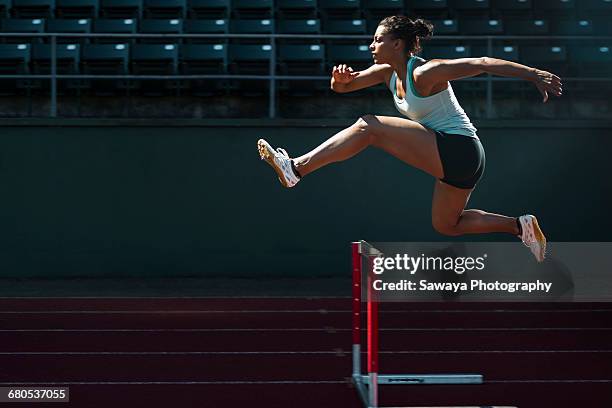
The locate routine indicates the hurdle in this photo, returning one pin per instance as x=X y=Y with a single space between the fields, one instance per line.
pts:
x=367 y=384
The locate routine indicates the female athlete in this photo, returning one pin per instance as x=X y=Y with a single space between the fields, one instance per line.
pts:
x=435 y=135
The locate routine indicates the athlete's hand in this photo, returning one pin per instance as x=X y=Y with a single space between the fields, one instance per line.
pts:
x=343 y=74
x=547 y=83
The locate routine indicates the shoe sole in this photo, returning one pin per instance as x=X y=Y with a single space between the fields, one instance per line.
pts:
x=539 y=235
x=267 y=153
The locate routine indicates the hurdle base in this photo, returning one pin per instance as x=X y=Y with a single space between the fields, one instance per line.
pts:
x=416 y=379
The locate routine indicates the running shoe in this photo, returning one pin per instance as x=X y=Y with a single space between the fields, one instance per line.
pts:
x=280 y=162
x=532 y=236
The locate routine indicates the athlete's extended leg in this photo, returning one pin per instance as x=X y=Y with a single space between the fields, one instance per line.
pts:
x=405 y=139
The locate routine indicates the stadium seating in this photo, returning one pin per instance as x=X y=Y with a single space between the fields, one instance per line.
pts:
x=294 y=55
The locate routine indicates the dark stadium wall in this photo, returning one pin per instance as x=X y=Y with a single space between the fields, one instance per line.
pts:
x=196 y=201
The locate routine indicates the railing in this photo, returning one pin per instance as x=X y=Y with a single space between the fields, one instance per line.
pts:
x=53 y=77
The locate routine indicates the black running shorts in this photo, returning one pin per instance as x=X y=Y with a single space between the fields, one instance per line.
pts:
x=463 y=159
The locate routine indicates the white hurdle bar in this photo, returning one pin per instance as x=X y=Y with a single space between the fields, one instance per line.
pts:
x=367 y=385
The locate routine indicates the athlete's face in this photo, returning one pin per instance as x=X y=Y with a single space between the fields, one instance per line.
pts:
x=383 y=46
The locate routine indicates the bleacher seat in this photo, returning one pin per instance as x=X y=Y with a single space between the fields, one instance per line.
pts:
x=526 y=27
x=80 y=26
x=14 y=58
x=33 y=8
x=121 y=8
x=481 y=27
x=209 y=9
x=17 y=25
x=160 y=26
x=203 y=59
x=154 y=59
x=309 y=26
x=249 y=58
x=105 y=58
x=165 y=8
x=114 y=26
x=67 y=57
x=447 y=52
x=201 y=26
x=301 y=59
x=509 y=52
x=552 y=58
x=252 y=26
x=445 y=27
x=573 y=27
x=592 y=60
x=358 y=56
x=77 y=8
x=356 y=26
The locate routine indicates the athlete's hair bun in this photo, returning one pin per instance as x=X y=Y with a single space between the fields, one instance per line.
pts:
x=424 y=29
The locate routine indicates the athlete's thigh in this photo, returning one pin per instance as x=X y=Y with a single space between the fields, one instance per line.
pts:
x=448 y=203
x=407 y=140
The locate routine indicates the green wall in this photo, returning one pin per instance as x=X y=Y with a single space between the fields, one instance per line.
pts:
x=197 y=201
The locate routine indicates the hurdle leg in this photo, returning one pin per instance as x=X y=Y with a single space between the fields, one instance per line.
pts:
x=372 y=343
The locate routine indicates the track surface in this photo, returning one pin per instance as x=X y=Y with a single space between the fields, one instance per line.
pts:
x=279 y=352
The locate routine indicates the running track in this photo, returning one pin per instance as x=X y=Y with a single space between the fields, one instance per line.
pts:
x=280 y=352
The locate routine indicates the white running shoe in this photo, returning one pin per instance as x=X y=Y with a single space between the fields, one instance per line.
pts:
x=280 y=162
x=533 y=237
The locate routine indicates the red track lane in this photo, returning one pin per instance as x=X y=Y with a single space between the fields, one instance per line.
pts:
x=300 y=341
x=297 y=319
x=333 y=396
x=40 y=368
x=279 y=304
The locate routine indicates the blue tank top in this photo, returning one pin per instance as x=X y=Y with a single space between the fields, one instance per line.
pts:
x=440 y=111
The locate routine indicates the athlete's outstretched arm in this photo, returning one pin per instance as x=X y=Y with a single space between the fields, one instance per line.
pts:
x=440 y=70
x=344 y=79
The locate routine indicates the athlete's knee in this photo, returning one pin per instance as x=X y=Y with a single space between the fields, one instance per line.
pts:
x=367 y=125
x=444 y=227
